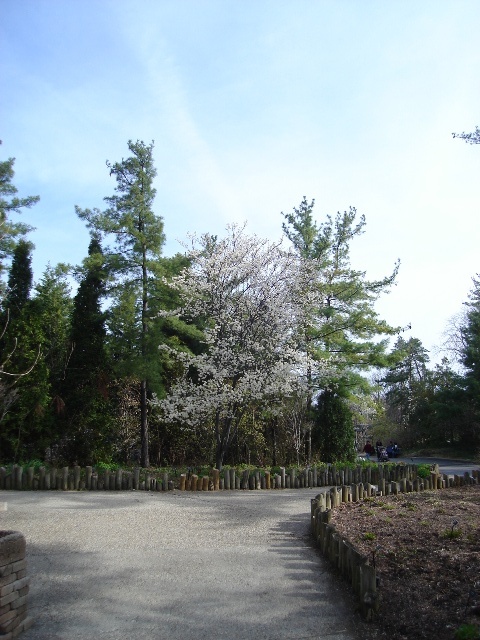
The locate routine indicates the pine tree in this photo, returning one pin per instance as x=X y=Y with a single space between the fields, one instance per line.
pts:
x=88 y=332
x=343 y=322
x=471 y=362
x=13 y=351
x=87 y=387
x=20 y=278
x=341 y=326
x=132 y=263
x=335 y=434
x=10 y=203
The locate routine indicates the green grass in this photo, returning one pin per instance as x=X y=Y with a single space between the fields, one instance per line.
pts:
x=452 y=534
x=369 y=536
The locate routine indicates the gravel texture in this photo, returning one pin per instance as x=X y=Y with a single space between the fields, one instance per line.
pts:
x=236 y=565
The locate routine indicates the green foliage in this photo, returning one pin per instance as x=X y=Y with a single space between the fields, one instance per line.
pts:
x=133 y=268
x=11 y=231
x=468 y=632
x=334 y=433
x=471 y=361
x=452 y=534
x=89 y=415
x=107 y=466
x=345 y=322
x=38 y=341
x=20 y=279
x=36 y=464
x=423 y=470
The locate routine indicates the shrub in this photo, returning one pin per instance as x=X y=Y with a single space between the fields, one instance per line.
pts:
x=423 y=470
x=468 y=632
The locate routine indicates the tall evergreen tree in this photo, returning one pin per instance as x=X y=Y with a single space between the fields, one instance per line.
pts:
x=20 y=278
x=38 y=336
x=471 y=361
x=133 y=261
x=341 y=323
x=12 y=350
x=406 y=384
x=88 y=332
x=335 y=433
x=10 y=203
x=86 y=389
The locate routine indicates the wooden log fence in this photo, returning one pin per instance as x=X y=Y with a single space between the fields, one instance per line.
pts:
x=387 y=479
x=355 y=567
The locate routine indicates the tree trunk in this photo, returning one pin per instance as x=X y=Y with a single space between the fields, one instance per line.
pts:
x=144 y=459
x=274 y=442
x=224 y=437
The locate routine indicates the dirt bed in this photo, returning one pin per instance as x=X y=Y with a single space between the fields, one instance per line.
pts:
x=426 y=548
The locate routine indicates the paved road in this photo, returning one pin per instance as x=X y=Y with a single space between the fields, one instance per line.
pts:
x=177 y=566
x=451 y=467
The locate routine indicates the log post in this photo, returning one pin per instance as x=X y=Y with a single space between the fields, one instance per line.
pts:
x=267 y=479
x=64 y=479
x=30 y=472
x=18 y=476
x=368 y=591
x=88 y=478
x=76 y=477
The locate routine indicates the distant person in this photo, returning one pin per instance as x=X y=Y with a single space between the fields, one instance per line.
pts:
x=378 y=446
x=369 y=449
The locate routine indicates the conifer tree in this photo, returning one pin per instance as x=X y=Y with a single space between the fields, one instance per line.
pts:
x=341 y=325
x=86 y=390
x=10 y=203
x=20 y=278
x=471 y=362
x=88 y=332
x=132 y=263
x=335 y=434
x=12 y=351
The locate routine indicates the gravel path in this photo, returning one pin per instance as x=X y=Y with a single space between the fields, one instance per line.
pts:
x=176 y=566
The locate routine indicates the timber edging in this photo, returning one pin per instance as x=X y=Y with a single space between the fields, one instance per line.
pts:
x=76 y=478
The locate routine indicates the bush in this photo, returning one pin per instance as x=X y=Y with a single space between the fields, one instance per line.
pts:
x=423 y=470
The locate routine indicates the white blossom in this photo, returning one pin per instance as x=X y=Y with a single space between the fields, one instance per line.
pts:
x=250 y=294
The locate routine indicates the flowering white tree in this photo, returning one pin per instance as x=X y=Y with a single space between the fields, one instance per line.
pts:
x=250 y=294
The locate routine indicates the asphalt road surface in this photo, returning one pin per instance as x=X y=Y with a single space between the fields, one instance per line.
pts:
x=177 y=566
x=451 y=467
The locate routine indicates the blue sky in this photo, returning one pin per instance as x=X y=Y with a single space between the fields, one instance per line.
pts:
x=253 y=104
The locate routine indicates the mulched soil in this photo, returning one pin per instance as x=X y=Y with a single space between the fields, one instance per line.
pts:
x=426 y=549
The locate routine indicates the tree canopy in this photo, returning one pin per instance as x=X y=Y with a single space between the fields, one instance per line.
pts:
x=239 y=350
